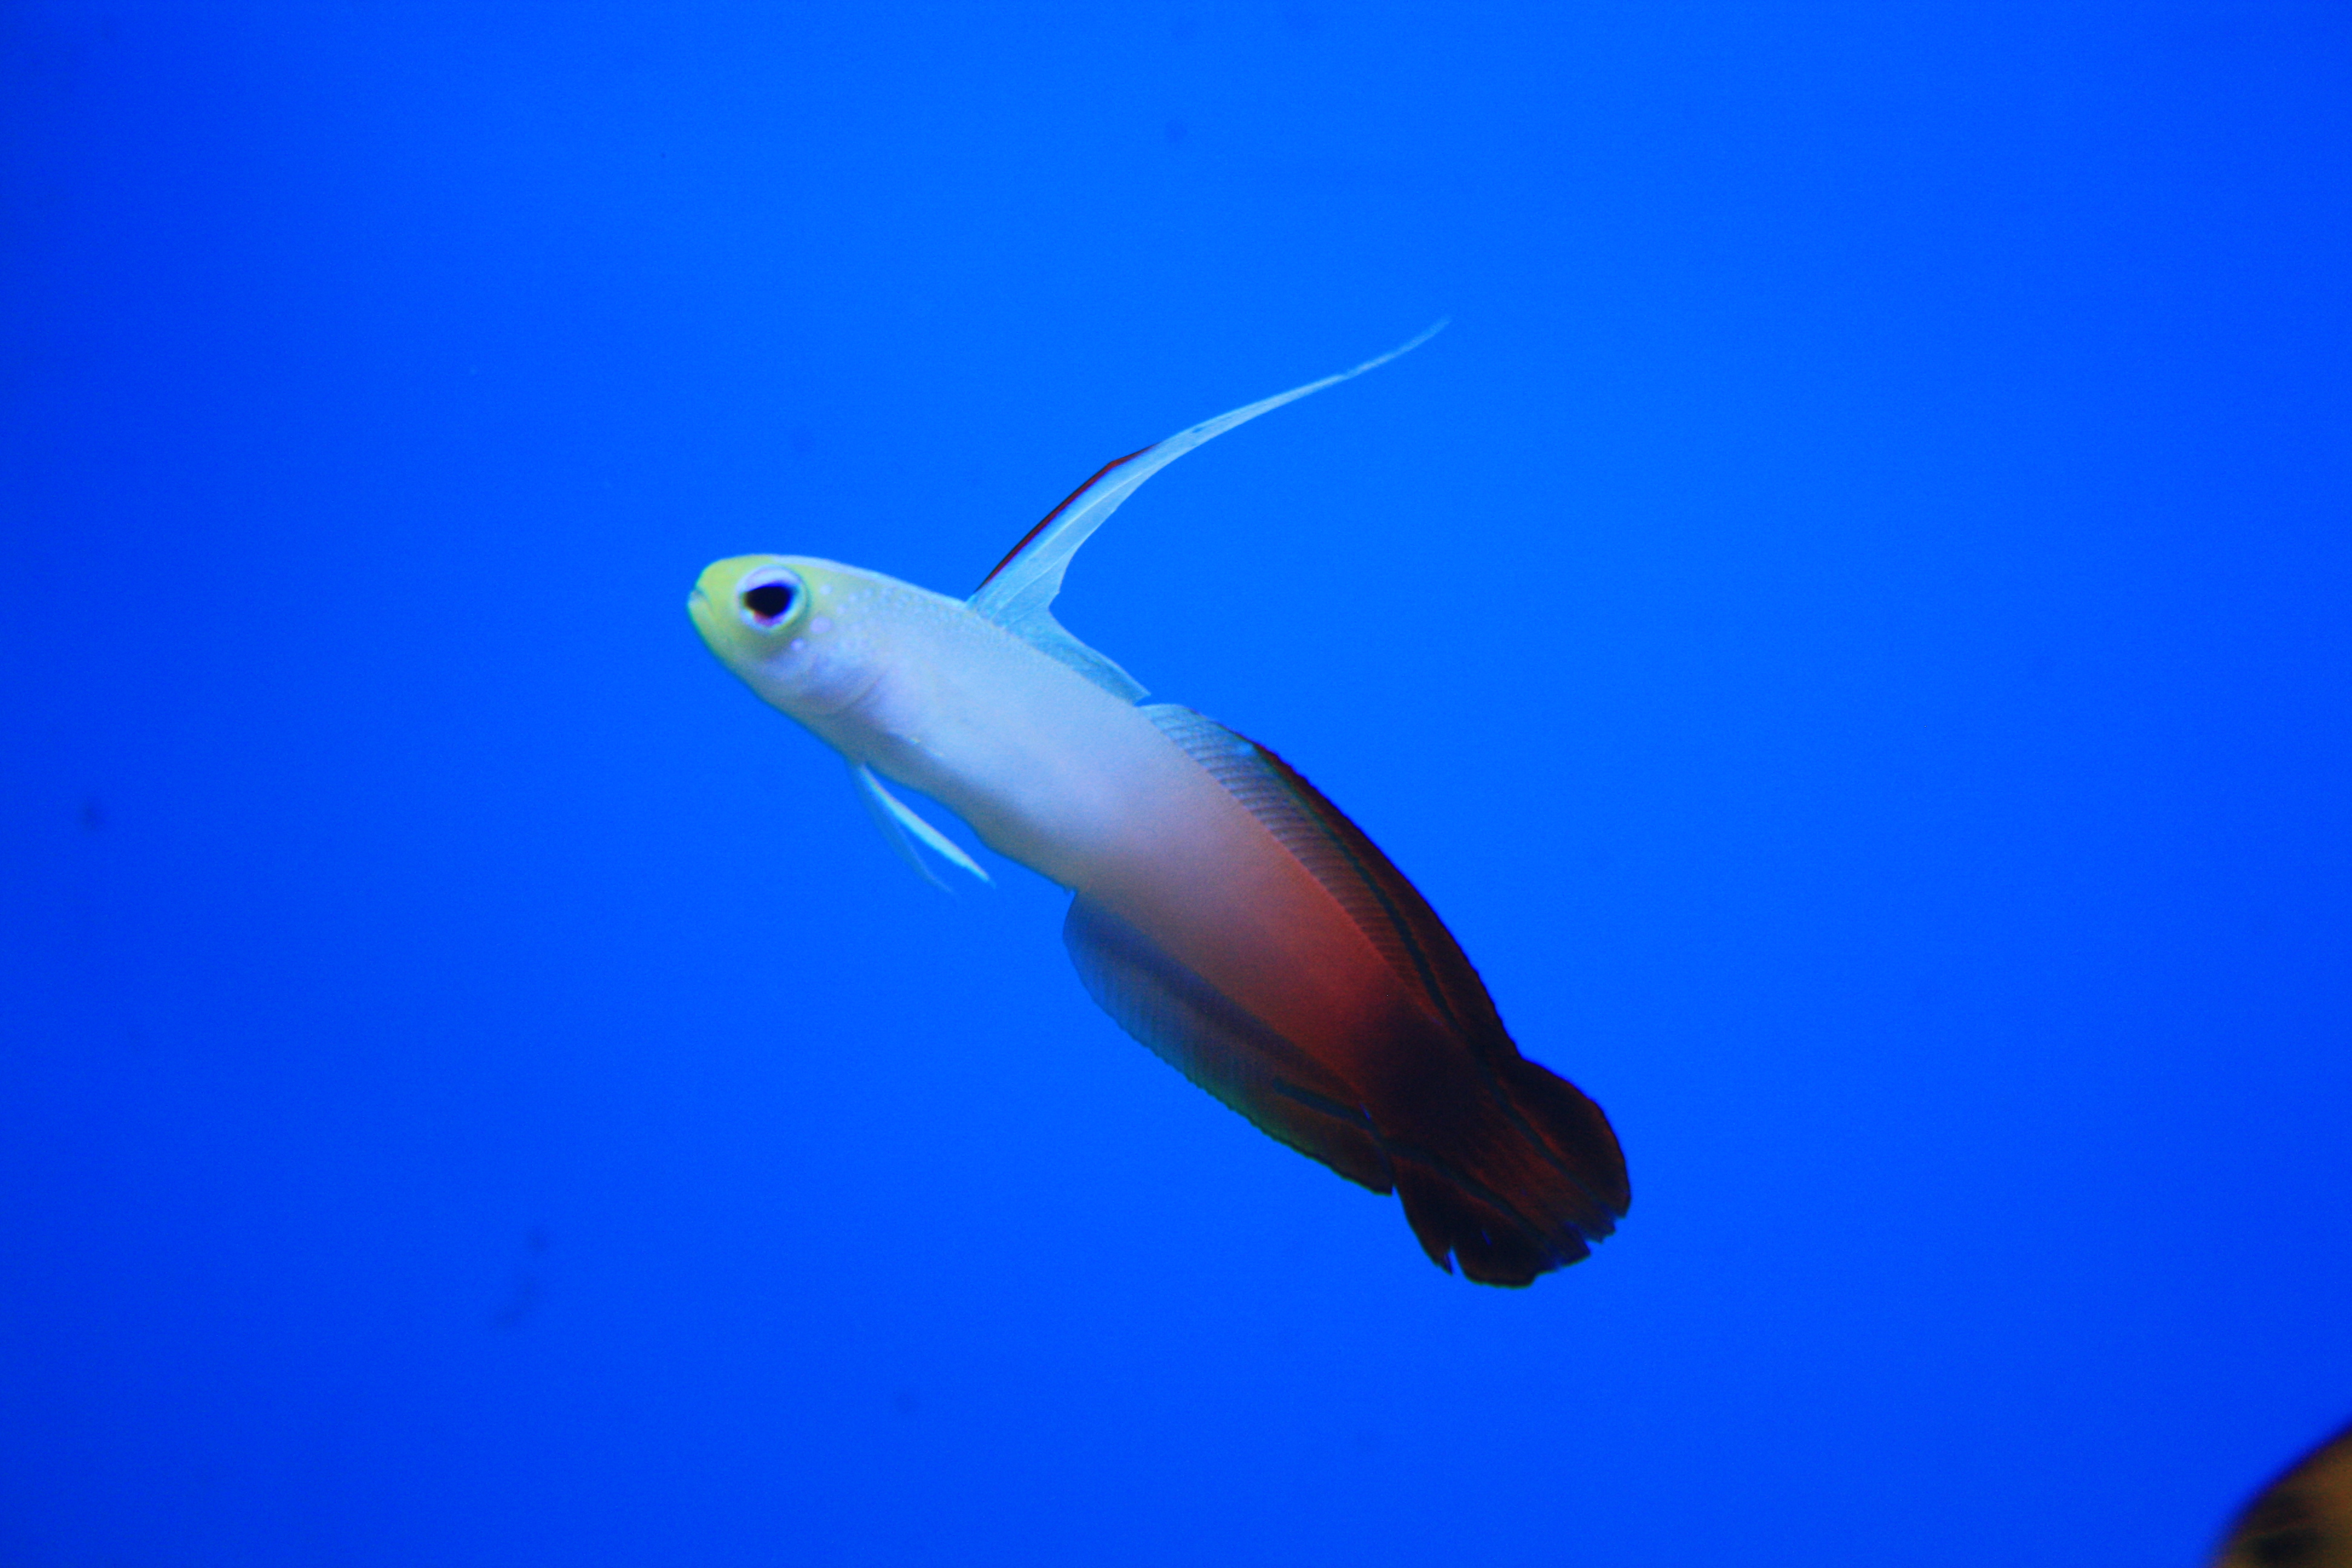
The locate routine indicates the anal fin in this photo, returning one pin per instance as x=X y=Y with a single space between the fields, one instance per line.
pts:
x=1205 y=1035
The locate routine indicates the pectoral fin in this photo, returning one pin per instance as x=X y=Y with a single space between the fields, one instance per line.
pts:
x=904 y=830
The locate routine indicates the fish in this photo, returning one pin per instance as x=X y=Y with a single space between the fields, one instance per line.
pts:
x=1224 y=912
x=2301 y=1519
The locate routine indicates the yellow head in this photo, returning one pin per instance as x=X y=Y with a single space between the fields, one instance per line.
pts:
x=787 y=624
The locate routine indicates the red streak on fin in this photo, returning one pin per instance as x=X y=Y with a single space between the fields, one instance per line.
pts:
x=1057 y=511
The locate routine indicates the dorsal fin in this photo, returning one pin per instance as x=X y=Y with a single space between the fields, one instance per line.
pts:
x=1050 y=516
x=1018 y=593
x=1389 y=910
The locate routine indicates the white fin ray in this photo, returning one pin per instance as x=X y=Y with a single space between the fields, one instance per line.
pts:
x=1019 y=595
x=904 y=830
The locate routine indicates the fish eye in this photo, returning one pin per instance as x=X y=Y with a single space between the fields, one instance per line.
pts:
x=769 y=602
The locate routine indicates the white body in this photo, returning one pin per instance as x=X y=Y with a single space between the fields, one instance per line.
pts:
x=1047 y=767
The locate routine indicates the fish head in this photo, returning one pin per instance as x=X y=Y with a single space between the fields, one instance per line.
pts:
x=789 y=625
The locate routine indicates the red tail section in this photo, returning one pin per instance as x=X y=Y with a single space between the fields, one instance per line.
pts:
x=1504 y=1167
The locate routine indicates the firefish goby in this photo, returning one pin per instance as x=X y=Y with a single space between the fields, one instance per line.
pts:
x=1225 y=914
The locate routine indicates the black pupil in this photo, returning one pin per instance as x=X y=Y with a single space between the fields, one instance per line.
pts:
x=769 y=601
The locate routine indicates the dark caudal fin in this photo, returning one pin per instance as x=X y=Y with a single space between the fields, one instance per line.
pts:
x=1516 y=1188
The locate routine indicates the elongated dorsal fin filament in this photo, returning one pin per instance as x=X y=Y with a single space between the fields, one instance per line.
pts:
x=1049 y=517
x=1018 y=593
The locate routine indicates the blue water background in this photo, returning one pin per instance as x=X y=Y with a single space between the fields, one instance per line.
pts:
x=1849 y=626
